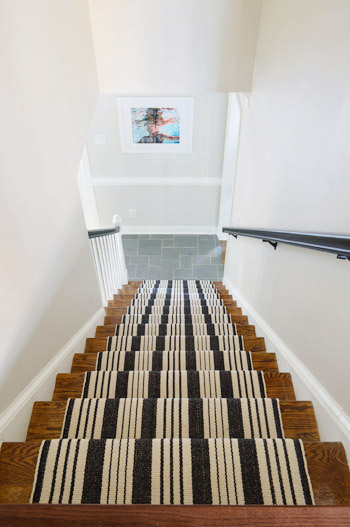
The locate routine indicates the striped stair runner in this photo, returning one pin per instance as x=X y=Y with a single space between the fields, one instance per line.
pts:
x=177 y=310
x=176 y=343
x=190 y=319
x=173 y=360
x=134 y=418
x=162 y=330
x=174 y=413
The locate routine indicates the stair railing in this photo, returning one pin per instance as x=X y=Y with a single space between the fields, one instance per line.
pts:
x=338 y=244
x=107 y=249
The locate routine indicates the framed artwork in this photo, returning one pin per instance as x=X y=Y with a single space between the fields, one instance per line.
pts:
x=155 y=124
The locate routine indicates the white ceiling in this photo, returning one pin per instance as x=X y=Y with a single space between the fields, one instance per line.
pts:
x=174 y=47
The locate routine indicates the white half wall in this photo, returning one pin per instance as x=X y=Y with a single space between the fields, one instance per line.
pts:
x=48 y=92
x=161 y=209
x=293 y=174
x=174 y=48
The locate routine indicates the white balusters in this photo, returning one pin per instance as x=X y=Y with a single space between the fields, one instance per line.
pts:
x=107 y=250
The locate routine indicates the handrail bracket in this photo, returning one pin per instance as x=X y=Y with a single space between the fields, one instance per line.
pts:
x=274 y=244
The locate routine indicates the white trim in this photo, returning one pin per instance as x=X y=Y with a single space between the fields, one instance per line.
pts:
x=15 y=418
x=156 y=181
x=86 y=191
x=229 y=169
x=167 y=230
x=334 y=410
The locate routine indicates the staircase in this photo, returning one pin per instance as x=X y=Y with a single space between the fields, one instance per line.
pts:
x=174 y=402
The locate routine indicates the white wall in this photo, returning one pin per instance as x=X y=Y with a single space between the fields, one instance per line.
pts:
x=293 y=173
x=160 y=205
x=187 y=209
x=183 y=47
x=48 y=91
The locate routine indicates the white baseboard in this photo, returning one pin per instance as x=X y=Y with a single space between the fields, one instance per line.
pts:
x=128 y=229
x=328 y=411
x=15 y=418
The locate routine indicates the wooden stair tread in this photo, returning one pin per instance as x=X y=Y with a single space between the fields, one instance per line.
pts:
x=100 y=343
x=130 y=295
x=114 y=316
x=224 y=295
x=262 y=361
x=298 y=419
x=22 y=515
x=114 y=319
x=327 y=464
x=70 y=385
x=108 y=330
x=125 y=303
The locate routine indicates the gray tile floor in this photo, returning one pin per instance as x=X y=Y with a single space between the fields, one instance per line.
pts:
x=172 y=256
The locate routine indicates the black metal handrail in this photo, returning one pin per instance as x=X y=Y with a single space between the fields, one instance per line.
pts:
x=338 y=244
x=96 y=233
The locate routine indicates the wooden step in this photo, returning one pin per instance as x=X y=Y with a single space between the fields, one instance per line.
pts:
x=124 y=301
x=129 y=288
x=70 y=385
x=109 y=330
x=327 y=464
x=118 y=312
x=223 y=293
x=116 y=317
x=298 y=417
x=253 y=344
x=20 y=515
x=138 y=283
x=262 y=361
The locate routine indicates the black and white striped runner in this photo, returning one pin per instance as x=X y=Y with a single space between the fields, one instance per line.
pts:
x=176 y=310
x=176 y=343
x=173 y=360
x=172 y=302
x=174 y=413
x=174 y=284
x=162 y=330
x=178 y=290
x=172 y=471
x=173 y=384
x=176 y=319
x=180 y=295
x=172 y=418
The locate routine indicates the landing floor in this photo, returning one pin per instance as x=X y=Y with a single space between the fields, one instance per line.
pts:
x=171 y=257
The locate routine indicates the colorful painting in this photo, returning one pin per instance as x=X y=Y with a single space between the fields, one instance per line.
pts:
x=155 y=125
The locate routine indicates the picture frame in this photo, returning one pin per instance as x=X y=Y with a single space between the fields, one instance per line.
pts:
x=155 y=124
